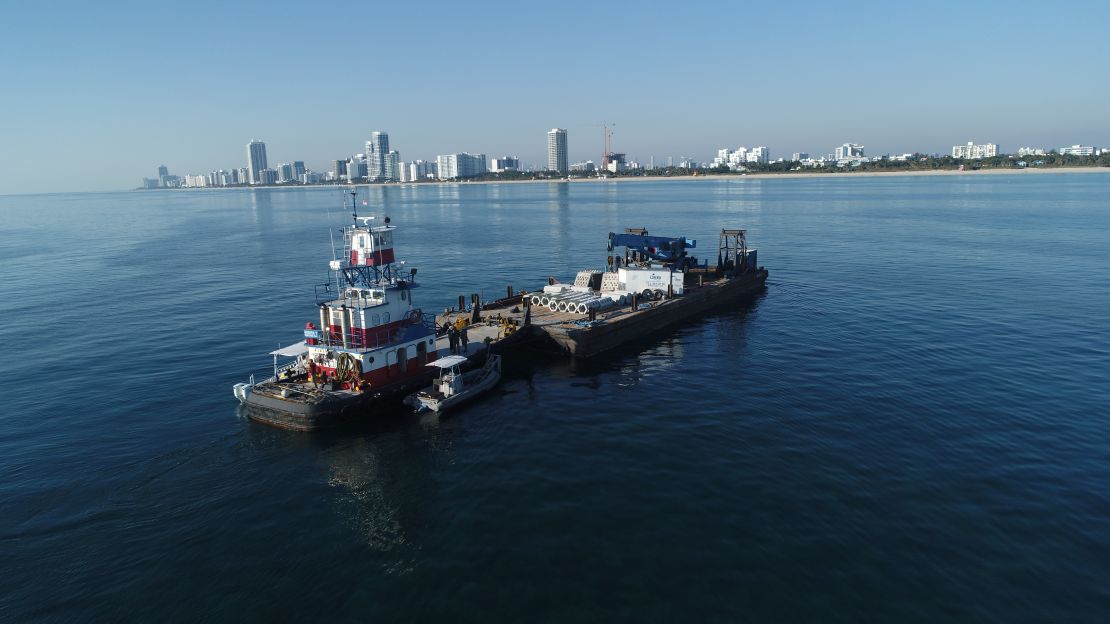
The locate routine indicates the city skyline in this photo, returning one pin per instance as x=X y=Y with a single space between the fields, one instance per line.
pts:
x=125 y=89
x=392 y=168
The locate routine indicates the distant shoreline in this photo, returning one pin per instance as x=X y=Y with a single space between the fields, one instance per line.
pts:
x=788 y=175
x=706 y=176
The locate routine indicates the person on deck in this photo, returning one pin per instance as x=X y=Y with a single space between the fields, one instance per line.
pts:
x=453 y=339
x=464 y=339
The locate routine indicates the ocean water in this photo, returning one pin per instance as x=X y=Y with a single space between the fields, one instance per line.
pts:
x=909 y=424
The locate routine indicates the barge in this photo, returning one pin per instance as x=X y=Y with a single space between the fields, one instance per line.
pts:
x=650 y=283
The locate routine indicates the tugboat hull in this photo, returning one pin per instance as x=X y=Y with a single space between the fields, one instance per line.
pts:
x=331 y=409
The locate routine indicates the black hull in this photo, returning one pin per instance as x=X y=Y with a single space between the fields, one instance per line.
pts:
x=332 y=410
x=592 y=341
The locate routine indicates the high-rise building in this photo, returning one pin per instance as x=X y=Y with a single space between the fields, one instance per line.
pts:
x=505 y=163
x=451 y=166
x=266 y=176
x=759 y=154
x=356 y=168
x=392 y=167
x=796 y=156
x=557 y=150
x=419 y=170
x=256 y=159
x=971 y=150
x=377 y=151
x=338 y=168
x=285 y=172
x=298 y=169
x=849 y=151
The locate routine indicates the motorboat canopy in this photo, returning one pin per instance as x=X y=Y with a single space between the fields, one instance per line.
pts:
x=448 y=362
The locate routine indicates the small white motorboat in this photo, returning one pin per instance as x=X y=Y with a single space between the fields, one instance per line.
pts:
x=453 y=387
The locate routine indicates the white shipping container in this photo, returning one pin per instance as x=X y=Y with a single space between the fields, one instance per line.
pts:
x=638 y=280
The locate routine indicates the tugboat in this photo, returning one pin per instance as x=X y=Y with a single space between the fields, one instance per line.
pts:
x=371 y=347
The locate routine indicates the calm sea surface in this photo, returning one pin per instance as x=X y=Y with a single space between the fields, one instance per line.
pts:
x=910 y=424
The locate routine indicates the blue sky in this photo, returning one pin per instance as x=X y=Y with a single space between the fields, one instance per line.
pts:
x=96 y=97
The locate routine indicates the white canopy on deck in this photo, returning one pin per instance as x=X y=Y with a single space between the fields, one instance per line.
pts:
x=292 y=350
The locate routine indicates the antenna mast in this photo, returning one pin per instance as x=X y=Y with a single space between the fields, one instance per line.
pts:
x=606 y=145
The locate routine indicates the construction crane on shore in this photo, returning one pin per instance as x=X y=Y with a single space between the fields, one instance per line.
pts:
x=606 y=145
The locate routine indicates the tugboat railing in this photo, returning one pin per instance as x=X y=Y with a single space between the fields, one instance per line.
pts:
x=324 y=292
x=374 y=339
x=428 y=321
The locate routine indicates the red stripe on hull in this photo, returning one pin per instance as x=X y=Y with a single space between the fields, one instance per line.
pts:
x=387 y=374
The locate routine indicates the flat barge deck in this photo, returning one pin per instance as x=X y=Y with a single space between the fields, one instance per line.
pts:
x=582 y=338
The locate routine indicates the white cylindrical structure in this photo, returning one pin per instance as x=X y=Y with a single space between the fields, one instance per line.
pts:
x=343 y=326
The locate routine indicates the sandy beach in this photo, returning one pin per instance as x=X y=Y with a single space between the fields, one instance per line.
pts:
x=789 y=176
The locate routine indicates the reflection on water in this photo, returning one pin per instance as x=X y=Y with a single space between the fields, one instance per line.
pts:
x=383 y=480
x=262 y=208
x=368 y=498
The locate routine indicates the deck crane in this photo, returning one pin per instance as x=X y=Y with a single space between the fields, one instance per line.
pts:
x=666 y=249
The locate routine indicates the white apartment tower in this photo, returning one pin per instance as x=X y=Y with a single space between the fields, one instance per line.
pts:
x=377 y=153
x=464 y=165
x=557 y=150
x=256 y=160
x=849 y=151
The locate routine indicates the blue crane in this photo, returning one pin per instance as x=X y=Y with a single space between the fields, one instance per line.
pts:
x=662 y=248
